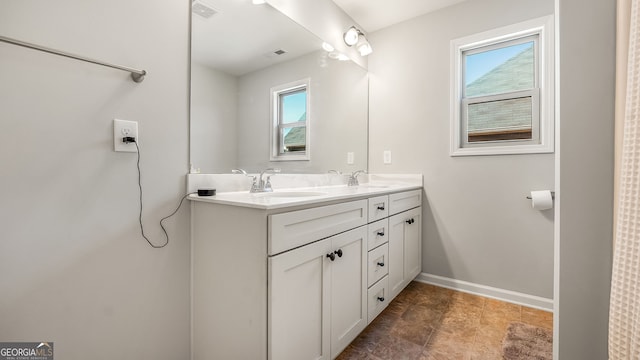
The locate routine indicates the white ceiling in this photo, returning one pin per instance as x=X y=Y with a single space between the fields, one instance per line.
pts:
x=374 y=15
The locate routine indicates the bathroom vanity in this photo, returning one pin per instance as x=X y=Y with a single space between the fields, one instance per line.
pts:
x=298 y=274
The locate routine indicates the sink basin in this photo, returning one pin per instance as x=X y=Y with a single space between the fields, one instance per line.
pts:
x=291 y=194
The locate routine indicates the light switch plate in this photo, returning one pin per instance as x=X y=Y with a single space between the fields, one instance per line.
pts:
x=350 y=158
x=387 y=156
x=122 y=128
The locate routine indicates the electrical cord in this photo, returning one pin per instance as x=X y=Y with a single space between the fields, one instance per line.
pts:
x=166 y=235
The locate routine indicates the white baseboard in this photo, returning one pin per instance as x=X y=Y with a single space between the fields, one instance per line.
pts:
x=488 y=291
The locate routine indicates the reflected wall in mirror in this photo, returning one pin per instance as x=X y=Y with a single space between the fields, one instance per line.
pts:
x=239 y=54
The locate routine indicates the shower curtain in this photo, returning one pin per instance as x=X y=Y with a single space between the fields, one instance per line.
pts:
x=624 y=312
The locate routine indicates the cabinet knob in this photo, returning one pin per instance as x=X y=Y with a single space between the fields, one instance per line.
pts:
x=381 y=207
x=331 y=256
x=410 y=221
x=338 y=252
x=380 y=233
x=381 y=264
x=380 y=298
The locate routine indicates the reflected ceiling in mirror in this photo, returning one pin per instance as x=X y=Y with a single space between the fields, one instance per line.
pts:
x=239 y=53
x=239 y=37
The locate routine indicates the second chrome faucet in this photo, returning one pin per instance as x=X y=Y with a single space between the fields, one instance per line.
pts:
x=352 y=179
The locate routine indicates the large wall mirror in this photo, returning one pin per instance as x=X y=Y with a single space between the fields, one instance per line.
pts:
x=247 y=107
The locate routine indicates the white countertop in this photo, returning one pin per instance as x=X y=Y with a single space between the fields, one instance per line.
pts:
x=297 y=196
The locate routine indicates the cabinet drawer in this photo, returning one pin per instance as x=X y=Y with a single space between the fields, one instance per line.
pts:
x=378 y=208
x=297 y=228
x=378 y=233
x=404 y=201
x=378 y=264
x=378 y=298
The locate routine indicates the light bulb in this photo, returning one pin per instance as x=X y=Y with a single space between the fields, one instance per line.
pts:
x=351 y=36
x=364 y=48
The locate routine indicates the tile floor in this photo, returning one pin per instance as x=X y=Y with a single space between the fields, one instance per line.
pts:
x=427 y=322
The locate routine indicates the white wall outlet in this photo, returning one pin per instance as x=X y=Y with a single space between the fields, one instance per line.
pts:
x=386 y=156
x=350 y=158
x=123 y=128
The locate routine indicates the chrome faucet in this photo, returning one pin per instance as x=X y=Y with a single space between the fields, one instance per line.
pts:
x=258 y=184
x=263 y=185
x=353 y=178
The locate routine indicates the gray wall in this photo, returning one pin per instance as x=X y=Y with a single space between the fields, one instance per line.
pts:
x=73 y=267
x=478 y=226
x=585 y=177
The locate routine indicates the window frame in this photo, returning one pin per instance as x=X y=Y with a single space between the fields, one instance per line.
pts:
x=276 y=138
x=542 y=96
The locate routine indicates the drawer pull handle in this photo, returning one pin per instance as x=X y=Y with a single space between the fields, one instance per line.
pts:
x=331 y=256
x=410 y=221
x=381 y=207
x=380 y=298
x=381 y=264
x=380 y=233
x=338 y=252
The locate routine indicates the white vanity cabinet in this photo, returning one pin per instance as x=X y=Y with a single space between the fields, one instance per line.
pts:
x=298 y=282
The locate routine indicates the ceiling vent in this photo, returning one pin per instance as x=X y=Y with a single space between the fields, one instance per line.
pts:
x=275 y=53
x=202 y=9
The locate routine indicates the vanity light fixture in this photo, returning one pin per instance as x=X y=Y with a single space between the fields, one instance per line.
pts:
x=354 y=36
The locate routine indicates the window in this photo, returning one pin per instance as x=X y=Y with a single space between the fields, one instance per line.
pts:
x=290 y=114
x=502 y=91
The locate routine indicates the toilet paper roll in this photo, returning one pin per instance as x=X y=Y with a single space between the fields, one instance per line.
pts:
x=541 y=200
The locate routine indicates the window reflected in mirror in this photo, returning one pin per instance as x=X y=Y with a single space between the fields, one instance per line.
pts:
x=292 y=122
x=290 y=139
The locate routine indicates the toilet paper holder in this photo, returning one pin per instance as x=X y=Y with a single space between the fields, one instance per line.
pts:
x=553 y=195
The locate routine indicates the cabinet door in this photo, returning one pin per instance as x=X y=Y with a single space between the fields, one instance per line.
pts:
x=348 y=288
x=413 y=244
x=405 y=249
x=396 y=254
x=299 y=314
